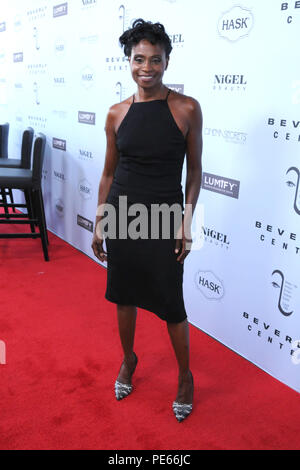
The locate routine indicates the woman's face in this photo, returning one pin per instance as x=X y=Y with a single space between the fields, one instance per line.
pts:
x=148 y=63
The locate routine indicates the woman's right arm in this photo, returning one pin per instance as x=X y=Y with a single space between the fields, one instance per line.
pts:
x=111 y=161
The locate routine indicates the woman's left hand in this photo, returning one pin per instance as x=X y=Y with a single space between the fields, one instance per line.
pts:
x=183 y=244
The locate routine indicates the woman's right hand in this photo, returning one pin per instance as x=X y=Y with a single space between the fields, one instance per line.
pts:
x=97 y=246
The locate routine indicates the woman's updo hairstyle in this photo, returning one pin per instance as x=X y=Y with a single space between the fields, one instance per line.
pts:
x=152 y=32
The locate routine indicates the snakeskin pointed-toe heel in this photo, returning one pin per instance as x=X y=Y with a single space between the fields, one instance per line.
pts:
x=122 y=390
x=182 y=410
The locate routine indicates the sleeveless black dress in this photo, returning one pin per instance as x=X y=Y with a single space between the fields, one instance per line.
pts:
x=144 y=272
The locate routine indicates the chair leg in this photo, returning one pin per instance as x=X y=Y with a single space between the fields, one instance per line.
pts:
x=4 y=200
x=10 y=193
x=37 y=198
x=30 y=210
x=43 y=214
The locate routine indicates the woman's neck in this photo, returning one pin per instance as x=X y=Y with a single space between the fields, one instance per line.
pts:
x=148 y=94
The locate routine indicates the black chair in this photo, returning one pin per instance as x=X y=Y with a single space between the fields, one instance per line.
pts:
x=29 y=180
x=23 y=162
x=4 y=130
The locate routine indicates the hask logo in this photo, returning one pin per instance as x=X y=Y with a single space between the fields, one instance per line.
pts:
x=209 y=285
x=85 y=189
x=286 y=292
x=59 y=47
x=59 y=208
x=291 y=184
x=18 y=23
x=235 y=23
x=87 y=77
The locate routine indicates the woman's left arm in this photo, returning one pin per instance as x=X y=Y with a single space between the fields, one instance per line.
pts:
x=193 y=175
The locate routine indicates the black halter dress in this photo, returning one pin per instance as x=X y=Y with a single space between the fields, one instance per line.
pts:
x=144 y=272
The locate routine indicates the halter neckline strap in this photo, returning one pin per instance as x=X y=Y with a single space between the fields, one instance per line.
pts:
x=164 y=99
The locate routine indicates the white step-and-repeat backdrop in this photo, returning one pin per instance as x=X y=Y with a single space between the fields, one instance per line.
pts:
x=61 y=68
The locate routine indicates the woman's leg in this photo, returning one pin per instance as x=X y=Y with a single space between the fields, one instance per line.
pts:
x=127 y=321
x=179 y=335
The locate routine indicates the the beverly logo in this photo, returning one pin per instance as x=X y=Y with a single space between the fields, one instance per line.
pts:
x=85 y=117
x=291 y=7
x=209 y=285
x=18 y=57
x=290 y=183
x=59 y=144
x=220 y=184
x=60 y=10
x=279 y=237
x=235 y=23
x=286 y=129
x=286 y=292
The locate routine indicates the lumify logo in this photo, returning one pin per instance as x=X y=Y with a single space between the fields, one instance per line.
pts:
x=221 y=184
x=59 y=144
x=235 y=23
x=85 y=117
x=286 y=293
x=291 y=184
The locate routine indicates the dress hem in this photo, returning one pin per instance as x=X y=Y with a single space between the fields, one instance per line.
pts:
x=144 y=307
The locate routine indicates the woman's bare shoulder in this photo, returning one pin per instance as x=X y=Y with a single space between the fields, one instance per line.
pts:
x=188 y=102
x=119 y=107
x=116 y=110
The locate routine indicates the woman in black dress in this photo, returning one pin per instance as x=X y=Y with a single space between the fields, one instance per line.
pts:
x=148 y=136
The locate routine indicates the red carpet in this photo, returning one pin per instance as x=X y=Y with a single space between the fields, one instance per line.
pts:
x=63 y=355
